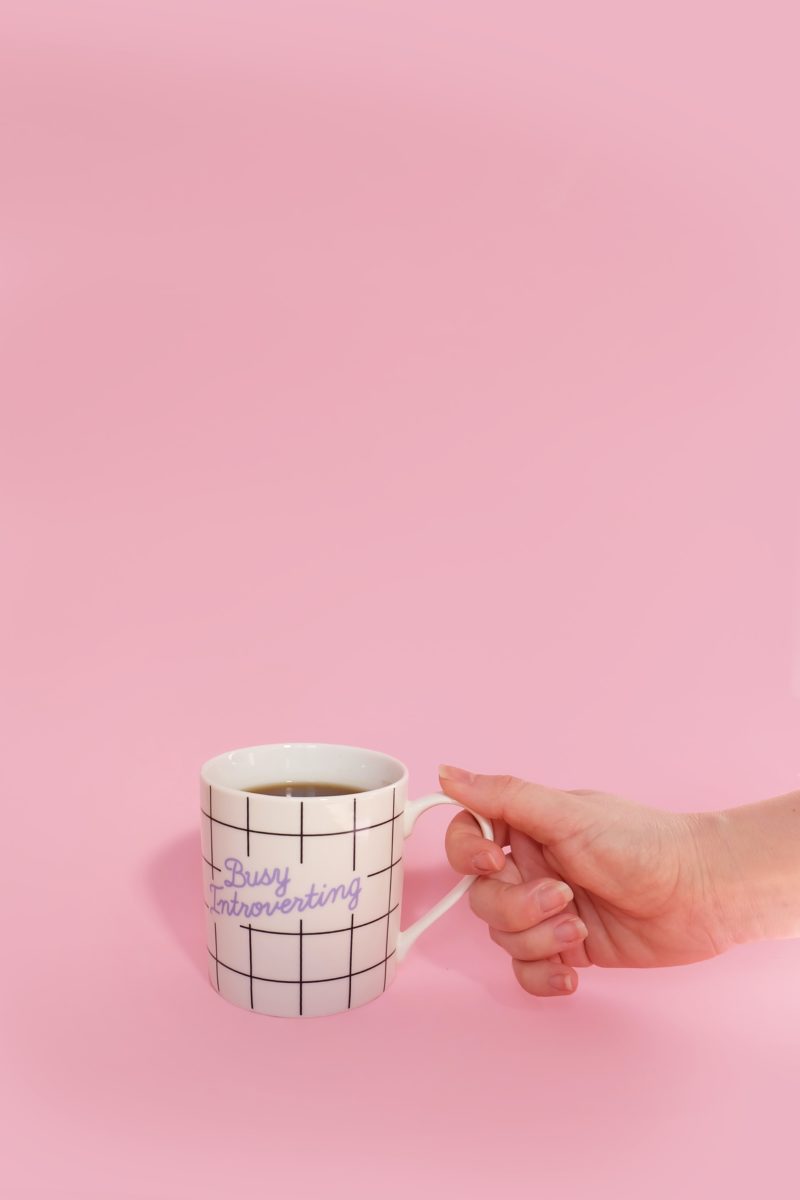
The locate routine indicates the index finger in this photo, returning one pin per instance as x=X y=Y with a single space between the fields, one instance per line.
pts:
x=468 y=851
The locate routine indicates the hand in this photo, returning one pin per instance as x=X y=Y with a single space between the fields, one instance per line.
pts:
x=590 y=878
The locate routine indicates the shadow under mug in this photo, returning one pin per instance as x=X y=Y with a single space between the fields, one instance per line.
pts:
x=304 y=895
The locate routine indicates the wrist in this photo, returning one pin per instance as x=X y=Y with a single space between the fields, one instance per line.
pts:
x=750 y=867
x=724 y=885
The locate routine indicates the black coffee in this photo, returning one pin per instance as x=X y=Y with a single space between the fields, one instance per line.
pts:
x=301 y=791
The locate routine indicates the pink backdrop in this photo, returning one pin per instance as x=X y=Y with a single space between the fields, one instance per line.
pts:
x=421 y=376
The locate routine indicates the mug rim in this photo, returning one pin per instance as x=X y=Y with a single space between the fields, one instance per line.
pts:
x=237 y=791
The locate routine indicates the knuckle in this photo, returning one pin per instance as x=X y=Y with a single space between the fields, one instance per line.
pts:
x=476 y=897
x=506 y=910
x=508 y=785
x=509 y=942
x=509 y=791
x=525 y=978
x=455 y=840
x=529 y=945
x=457 y=826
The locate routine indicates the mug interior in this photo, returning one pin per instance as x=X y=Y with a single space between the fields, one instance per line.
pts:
x=303 y=762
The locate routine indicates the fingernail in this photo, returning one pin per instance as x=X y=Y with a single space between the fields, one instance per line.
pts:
x=484 y=861
x=561 y=983
x=455 y=773
x=553 y=896
x=570 y=931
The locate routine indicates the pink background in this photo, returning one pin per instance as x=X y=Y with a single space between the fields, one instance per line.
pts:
x=421 y=376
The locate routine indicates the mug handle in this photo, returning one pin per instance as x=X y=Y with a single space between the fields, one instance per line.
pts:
x=407 y=937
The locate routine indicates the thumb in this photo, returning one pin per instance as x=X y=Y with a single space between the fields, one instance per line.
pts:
x=545 y=814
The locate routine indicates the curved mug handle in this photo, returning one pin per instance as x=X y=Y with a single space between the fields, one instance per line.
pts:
x=407 y=937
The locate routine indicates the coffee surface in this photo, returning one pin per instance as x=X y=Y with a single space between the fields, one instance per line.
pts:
x=302 y=791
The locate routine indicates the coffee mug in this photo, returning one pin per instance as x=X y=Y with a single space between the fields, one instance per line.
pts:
x=304 y=893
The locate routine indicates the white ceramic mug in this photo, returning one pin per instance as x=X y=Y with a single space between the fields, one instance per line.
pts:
x=304 y=895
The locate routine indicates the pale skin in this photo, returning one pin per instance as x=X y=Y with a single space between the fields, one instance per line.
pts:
x=590 y=878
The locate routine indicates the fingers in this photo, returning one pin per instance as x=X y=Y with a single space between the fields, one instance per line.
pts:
x=545 y=978
x=468 y=851
x=512 y=907
x=543 y=813
x=527 y=919
x=550 y=937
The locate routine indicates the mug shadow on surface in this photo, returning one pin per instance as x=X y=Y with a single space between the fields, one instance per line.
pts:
x=174 y=881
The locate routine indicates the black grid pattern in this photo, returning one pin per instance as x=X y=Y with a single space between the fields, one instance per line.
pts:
x=211 y=821
x=300 y=934
x=248 y=830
